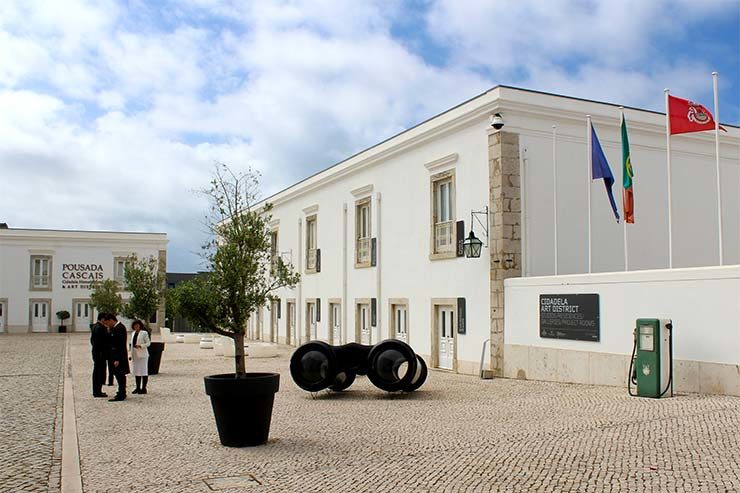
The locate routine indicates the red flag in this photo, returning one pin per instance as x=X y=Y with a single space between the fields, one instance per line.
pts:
x=687 y=116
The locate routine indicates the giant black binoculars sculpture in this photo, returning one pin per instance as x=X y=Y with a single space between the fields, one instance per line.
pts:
x=390 y=365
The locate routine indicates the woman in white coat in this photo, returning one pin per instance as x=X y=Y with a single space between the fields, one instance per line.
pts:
x=139 y=351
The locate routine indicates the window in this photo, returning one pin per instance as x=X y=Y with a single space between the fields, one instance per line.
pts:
x=311 y=244
x=119 y=270
x=362 y=233
x=40 y=273
x=443 y=215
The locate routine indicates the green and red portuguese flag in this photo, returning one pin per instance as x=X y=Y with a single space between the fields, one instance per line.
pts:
x=628 y=174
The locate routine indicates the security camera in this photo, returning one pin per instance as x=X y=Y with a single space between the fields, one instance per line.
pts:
x=497 y=121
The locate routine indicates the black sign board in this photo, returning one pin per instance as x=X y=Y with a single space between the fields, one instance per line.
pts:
x=569 y=316
x=460 y=237
x=461 y=317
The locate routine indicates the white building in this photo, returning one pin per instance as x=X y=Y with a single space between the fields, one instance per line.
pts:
x=375 y=235
x=46 y=271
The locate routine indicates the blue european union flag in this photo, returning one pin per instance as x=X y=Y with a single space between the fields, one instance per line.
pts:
x=600 y=169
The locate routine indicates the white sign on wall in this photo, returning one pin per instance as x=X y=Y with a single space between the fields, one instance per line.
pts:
x=81 y=276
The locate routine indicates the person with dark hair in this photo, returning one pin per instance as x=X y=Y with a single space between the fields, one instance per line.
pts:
x=119 y=356
x=140 y=342
x=100 y=341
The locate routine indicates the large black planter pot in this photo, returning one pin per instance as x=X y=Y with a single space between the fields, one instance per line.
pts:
x=155 y=357
x=242 y=406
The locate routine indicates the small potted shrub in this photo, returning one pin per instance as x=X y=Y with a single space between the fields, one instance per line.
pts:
x=239 y=281
x=63 y=315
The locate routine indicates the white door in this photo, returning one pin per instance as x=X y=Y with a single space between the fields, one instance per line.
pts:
x=312 y=321
x=365 y=324
x=336 y=326
x=83 y=316
x=250 y=327
x=274 y=321
x=291 y=324
x=40 y=316
x=400 y=318
x=445 y=329
x=3 y=313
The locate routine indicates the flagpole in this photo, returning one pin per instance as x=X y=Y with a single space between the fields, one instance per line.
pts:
x=624 y=195
x=668 y=166
x=588 y=185
x=716 y=154
x=555 y=194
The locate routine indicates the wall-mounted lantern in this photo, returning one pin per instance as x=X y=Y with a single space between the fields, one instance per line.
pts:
x=472 y=245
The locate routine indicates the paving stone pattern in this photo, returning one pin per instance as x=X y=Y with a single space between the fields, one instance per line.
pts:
x=458 y=433
x=31 y=383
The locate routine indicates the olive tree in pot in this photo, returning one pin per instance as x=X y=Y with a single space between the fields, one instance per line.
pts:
x=62 y=315
x=145 y=280
x=242 y=275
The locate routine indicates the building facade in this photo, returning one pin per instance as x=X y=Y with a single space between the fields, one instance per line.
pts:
x=46 y=271
x=376 y=236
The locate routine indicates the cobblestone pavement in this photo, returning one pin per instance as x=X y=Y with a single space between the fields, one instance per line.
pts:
x=457 y=433
x=30 y=412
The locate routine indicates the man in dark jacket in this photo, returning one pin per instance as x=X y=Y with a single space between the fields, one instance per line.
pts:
x=100 y=341
x=119 y=357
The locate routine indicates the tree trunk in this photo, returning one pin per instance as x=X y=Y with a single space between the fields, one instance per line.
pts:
x=239 y=354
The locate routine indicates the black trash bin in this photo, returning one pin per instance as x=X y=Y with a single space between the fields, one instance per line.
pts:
x=155 y=357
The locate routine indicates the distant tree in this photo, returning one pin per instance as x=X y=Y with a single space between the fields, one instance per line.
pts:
x=105 y=297
x=241 y=275
x=145 y=281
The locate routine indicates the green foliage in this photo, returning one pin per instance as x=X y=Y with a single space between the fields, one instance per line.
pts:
x=238 y=256
x=63 y=315
x=145 y=281
x=105 y=297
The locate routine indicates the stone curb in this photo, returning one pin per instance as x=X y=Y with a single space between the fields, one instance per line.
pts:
x=71 y=477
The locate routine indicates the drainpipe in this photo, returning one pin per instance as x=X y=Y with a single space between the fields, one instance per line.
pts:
x=344 y=275
x=299 y=301
x=378 y=264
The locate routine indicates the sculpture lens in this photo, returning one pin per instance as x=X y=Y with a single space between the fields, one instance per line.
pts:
x=391 y=365
x=314 y=367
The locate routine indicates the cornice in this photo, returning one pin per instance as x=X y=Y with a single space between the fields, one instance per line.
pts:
x=441 y=162
x=362 y=191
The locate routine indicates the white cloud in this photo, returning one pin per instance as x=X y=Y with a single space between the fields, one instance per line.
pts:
x=111 y=113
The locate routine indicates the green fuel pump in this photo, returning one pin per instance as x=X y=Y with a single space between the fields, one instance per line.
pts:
x=651 y=364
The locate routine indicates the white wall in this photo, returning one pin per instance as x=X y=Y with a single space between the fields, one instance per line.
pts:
x=704 y=304
x=65 y=247
x=395 y=169
x=405 y=268
x=695 y=232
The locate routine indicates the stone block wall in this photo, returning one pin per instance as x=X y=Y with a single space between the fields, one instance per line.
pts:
x=505 y=224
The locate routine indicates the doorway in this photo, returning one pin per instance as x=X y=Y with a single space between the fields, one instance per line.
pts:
x=274 y=310
x=400 y=322
x=444 y=323
x=291 y=336
x=311 y=320
x=335 y=322
x=40 y=316
x=362 y=319
x=82 y=315
x=3 y=316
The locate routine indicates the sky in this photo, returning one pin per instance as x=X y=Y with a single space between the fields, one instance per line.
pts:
x=113 y=113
